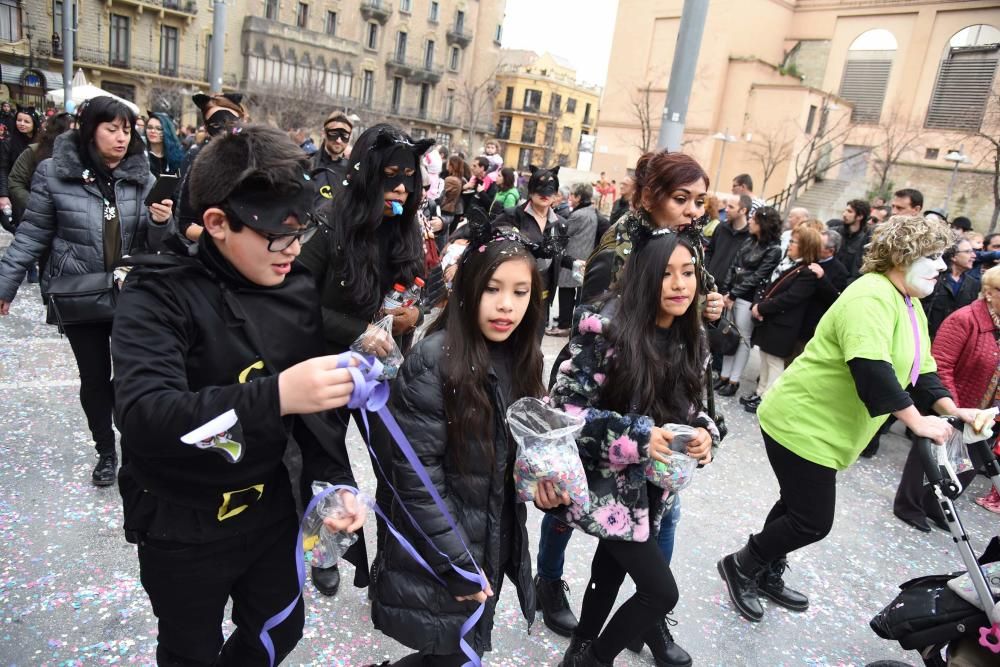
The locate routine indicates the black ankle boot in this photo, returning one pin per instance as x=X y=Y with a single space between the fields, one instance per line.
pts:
x=326 y=580
x=104 y=471
x=581 y=654
x=554 y=605
x=771 y=584
x=740 y=571
x=730 y=389
x=666 y=653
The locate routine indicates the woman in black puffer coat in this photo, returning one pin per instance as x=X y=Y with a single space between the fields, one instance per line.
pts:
x=87 y=208
x=486 y=331
x=751 y=269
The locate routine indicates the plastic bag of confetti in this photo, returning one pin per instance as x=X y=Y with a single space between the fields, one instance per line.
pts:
x=368 y=342
x=324 y=547
x=546 y=450
x=678 y=471
x=958 y=452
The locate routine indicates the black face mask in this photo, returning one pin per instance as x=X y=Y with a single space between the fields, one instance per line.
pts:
x=219 y=121
x=402 y=158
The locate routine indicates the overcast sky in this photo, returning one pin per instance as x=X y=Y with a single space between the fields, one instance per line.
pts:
x=578 y=30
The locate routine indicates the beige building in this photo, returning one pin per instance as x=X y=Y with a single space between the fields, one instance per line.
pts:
x=152 y=52
x=541 y=110
x=827 y=84
x=427 y=65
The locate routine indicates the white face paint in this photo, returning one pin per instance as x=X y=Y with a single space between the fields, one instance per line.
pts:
x=921 y=276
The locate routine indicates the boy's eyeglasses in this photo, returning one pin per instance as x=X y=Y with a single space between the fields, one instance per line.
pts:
x=338 y=135
x=280 y=242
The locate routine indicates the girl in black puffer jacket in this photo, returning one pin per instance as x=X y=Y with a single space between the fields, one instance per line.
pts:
x=751 y=269
x=486 y=331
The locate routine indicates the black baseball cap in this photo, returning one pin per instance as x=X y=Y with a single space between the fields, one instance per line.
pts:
x=264 y=207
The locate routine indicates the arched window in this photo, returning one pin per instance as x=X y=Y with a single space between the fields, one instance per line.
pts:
x=866 y=74
x=333 y=79
x=346 y=85
x=320 y=79
x=303 y=78
x=964 y=80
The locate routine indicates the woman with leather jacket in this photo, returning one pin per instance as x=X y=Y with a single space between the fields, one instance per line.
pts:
x=751 y=269
x=481 y=356
x=86 y=207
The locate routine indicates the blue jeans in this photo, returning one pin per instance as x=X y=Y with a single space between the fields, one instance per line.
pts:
x=555 y=538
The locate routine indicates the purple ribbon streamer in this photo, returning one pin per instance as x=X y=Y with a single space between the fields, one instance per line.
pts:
x=370 y=395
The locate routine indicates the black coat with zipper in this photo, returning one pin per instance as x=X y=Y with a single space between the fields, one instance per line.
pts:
x=409 y=605
x=184 y=354
x=783 y=308
x=751 y=268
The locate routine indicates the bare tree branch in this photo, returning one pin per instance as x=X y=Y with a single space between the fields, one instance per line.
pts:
x=814 y=158
x=643 y=112
x=771 y=149
x=897 y=135
x=476 y=99
x=988 y=138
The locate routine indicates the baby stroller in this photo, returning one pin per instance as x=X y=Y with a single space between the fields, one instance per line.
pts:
x=928 y=615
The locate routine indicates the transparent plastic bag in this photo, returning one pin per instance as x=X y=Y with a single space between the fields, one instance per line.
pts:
x=958 y=452
x=324 y=547
x=546 y=450
x=678 y=472
x=365 y=344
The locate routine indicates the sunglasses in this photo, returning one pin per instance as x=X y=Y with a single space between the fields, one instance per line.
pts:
x=338 y=135
x=280 y=242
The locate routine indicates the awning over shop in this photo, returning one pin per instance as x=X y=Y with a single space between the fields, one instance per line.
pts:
x=32 y=77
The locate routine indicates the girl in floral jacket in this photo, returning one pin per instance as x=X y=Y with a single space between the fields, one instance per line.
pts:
x=638 y=361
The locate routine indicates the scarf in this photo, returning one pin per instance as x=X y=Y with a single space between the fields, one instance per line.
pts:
x=785 y=264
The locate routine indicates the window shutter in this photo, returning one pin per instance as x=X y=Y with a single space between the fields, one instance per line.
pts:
x=962 y=89
x=864 y=83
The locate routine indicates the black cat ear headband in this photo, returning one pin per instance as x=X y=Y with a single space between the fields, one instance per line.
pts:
x=482 y=233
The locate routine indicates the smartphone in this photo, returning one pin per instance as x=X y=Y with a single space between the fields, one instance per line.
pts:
x=164 y=188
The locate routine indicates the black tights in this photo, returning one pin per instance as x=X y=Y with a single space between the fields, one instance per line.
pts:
x=804 y=511
x=91 y=345
x=655 y=595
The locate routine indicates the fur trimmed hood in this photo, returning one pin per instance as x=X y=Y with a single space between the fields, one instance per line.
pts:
x=69 y=166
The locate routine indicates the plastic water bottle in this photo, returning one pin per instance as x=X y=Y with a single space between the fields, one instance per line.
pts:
x=412 y=295
x=394 y=299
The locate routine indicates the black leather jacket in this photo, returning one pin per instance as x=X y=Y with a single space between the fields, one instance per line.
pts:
x=751 y=268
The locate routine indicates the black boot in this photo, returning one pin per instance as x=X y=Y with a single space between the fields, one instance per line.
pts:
x=729 y=389
x=773 y=586
x=554 y=605
x=104 y=471
x=740 y=571
x=666 y=653
x=326 y=580
x=581 y=654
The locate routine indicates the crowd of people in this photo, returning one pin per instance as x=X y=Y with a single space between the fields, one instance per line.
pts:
x=229 y=295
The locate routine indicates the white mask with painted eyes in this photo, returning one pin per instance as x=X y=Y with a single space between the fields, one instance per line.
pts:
x=921 y=276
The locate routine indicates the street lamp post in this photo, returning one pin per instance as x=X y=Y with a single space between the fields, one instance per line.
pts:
x=725 y=138
x=958 y=158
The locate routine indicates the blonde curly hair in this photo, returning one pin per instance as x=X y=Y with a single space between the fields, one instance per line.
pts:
x=902 y=240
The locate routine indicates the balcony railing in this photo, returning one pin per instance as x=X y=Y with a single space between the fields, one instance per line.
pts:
x=416 y=70
x=379 y=10
x=186 y=8
x=92 y=56
x=291 y=33
x=460 y=36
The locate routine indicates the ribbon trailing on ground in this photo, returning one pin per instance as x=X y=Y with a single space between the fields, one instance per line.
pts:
x=371 y=395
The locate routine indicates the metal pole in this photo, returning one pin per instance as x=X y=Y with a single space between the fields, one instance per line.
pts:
x=682 y=74
x=218 y=46
x=67 y=46
x=951 y=183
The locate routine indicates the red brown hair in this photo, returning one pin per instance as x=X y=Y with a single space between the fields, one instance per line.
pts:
x=660 y=173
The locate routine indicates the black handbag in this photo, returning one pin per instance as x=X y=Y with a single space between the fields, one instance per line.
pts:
x=724 y=338
x=85 y=298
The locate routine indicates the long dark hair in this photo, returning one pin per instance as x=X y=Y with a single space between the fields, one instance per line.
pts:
x=173 y=152
x=507 y=178
x=769 y=222
x=358 y=212
x=17 y=140
x=644 y=377
x=467 y=362
x=55 y=125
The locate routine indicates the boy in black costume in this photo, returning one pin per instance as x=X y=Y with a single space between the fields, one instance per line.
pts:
x=219 y=359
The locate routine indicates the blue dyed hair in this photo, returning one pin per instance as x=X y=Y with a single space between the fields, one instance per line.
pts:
x=173 y=152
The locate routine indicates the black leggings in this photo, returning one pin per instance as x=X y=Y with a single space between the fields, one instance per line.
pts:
x=567 y=302
x=91 y=345
x=655 y=595
x=804 y=512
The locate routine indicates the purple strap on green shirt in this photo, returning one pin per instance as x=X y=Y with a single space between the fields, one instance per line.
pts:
x=915 y=369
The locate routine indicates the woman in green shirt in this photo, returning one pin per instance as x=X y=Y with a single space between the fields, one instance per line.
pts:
x=870 y=350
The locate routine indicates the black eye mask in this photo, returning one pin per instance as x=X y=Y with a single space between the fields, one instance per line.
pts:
x=402 y=158
x=219 y=121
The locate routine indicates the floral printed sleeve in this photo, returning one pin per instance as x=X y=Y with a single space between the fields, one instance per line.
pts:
x=619 y=439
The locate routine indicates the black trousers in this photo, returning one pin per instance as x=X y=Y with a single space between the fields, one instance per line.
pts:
x=804 y=511
x=567 y=302
x=188 y=586
x=91 y=345
x=655 y=595
x=914 y=499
